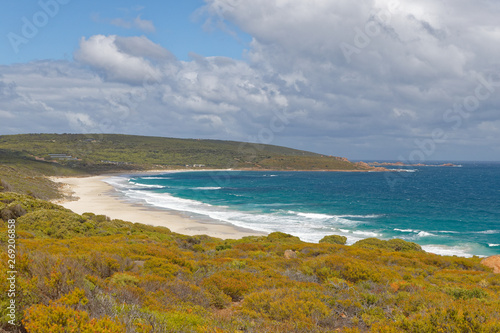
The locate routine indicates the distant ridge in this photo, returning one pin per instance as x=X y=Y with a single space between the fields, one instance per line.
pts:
x=94 y=153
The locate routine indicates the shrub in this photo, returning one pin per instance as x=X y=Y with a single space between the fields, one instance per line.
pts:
x=222 y=247
x=102 y=264
x=54 y=223
x=217 y=297
x=124 y=279
x=13 y=211
x=397 y=244
x=233 y=283
x=334 y=239
x=460 y=293
x=286 y=305
x=390 y=245
x=452 y=319
x=63 y=316
x=4 y=186
x=281 y=236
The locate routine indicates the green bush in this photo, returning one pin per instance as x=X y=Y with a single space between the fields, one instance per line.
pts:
x=460 y=293
x=282 y=237
x=286 y=305
x=334 y=239
x=390 y=245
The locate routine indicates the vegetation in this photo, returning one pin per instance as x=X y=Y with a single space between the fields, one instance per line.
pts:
x=89 y=273
x=111 y=152
x=147 y=279
x=334 y=239
x=24 y=174
x=392 y=244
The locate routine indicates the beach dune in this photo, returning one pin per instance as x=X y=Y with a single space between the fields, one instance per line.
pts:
x=93 y=195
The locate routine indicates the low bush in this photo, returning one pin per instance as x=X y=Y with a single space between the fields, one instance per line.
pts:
x=390 y=245
x=334 y=239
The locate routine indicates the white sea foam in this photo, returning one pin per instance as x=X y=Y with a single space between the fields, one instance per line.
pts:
x=405 y=230
x=493 y=245
x=372 y=216
x=460 y=251
x=327 y=216
x=309 y=229
x=337 y=219
x=488 y=232
x=366 y=233
x=419 y=233
x=122 y=183
x=206 y=188
x=159 y=178
x=403 y=170
x=147 y=185
x=425 y=234
x=117 y=182
x=314 y=215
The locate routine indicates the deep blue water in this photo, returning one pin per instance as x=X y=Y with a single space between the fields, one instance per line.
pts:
x=447 y=210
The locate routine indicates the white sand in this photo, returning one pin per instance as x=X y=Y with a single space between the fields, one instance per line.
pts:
x=95 y=196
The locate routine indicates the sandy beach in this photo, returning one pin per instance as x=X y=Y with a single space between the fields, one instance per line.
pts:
x=93 y=195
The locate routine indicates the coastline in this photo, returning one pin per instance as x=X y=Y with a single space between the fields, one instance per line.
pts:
x=93 y=195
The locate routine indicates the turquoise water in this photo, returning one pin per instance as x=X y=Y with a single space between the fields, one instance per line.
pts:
x=447 y=210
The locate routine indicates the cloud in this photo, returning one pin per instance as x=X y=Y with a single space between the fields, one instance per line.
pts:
x=136 y=23
x=415 y=67
x=144 y=25
x=408 y=55
x=142 y=47
x=122 y=58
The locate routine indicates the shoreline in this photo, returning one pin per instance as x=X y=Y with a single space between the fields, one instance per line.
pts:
x=101 y=198
x=93 y=195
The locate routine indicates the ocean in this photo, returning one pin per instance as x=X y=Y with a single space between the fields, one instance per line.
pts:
x=447 y=210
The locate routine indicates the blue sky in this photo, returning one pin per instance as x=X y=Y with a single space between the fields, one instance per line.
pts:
x=179 y=26
x=408 y=80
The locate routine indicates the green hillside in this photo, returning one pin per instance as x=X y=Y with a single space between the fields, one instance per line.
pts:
x=110 y=152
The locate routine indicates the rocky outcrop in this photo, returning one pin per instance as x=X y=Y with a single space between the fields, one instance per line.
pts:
x=290 y=254
x=493 y=262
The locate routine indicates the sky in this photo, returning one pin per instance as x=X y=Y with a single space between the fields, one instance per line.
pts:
x=406 y=80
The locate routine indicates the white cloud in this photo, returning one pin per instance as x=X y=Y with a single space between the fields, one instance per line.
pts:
x=112 y=57
x=421 y=59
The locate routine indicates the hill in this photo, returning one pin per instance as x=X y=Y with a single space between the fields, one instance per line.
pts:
x=26 y=159
x=110 y=152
